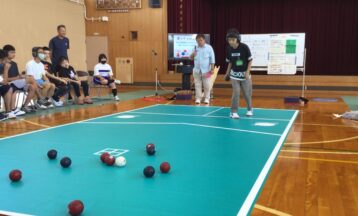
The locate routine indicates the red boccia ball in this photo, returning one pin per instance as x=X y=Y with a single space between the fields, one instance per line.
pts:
x=110 y=160
x=103 y=156
x=15 y=175
x=165 y=167
x=75 y=208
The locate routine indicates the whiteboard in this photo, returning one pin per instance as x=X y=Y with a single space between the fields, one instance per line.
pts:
x=259 y=46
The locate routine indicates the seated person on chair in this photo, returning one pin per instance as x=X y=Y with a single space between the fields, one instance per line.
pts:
x=103 y=75
x=36 y=70
x=18 y=82
x=68 y=73
x=5 y=89
x=62 y=86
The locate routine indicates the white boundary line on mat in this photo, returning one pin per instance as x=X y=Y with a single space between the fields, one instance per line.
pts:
x=180 y=123
x=250 y=199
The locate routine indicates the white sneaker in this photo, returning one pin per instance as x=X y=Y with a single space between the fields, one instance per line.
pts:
x=18 y=112
x=116 y=98
x=50 y=106
x=250 y=112
x=206 y=101
x=117 y=82
x=234 y=116
x=197 y=101
x=58 y=104
x=11 y=115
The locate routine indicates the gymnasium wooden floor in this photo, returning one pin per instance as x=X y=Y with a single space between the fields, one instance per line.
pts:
x=316 y=172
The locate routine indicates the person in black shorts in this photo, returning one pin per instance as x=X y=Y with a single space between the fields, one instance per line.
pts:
x=5 y=89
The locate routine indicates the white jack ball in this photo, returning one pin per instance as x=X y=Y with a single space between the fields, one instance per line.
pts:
x=120 y=161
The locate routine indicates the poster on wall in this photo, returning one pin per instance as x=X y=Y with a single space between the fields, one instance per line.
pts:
x=184 y=45
x=118 y=4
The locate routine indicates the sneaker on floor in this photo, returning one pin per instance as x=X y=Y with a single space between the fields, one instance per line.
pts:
x=234 y=116
x=3 y=117
x=11 y=115
x=42 y=102
x=117 y=82
x=116 y=98
x=250 y=113
x=18 y=112
x=40 y=105
x=27 y=110
x=58 y=103
x=197 y=101
x=206 y=101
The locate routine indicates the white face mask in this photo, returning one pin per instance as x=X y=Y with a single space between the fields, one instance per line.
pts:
x=41 y=56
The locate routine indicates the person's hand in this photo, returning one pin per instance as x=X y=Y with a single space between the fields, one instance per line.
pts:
x=40 y=86
x=63 y=81
x=227 y=77
x=247 y=75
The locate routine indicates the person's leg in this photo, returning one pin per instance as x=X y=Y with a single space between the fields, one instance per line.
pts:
x=77 y=91
x=207 y=88
x=85 y=89
x=114 y=89
x=13 y=98
x=246 y=86
x=51 y=90
x=31 y=90
x=7 y=100
x=198 y=86
x=235 y=95
x=60 y=91
x=45 y=89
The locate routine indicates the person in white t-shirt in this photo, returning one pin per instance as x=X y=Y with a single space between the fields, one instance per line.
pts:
x=103 y=75
x=36 y=70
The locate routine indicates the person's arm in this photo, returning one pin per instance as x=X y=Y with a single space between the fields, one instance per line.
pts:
x=5 y=75
x=51 y=45
x=56 y=78
x=212 y=60
x=229 y=67
x=96 y=73
x=68 y=43
x=248 y=71
x=193 y=54
x=227 y=75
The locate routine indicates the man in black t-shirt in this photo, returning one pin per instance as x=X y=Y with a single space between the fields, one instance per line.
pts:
x=238 y=71
x=59 y=45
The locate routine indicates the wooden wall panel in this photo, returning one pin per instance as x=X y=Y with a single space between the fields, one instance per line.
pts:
x=151 y=26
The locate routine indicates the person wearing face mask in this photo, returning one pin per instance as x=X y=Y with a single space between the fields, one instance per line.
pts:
x=68 y=73
x=103 y=75
x=36 y=70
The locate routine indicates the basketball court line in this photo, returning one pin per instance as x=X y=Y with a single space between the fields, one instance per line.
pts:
x=319 y=159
